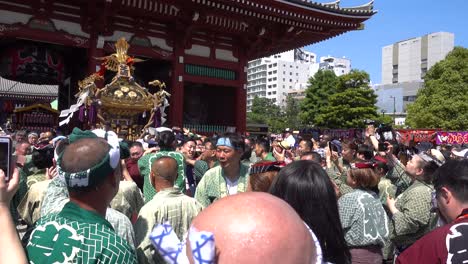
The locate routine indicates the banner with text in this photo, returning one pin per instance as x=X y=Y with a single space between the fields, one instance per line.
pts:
x=417 y=135
x=453 y=138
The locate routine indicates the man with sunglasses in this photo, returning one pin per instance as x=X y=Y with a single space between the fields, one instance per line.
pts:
x=449 y=243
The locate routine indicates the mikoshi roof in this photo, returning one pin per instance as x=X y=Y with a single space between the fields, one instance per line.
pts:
x=14 y=89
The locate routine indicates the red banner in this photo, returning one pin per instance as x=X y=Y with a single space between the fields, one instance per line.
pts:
x=406 y=135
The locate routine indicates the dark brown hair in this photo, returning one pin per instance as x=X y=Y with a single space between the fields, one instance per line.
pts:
x=364 y=178
x=261 y=182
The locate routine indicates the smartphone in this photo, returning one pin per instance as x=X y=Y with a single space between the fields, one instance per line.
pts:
x=6 y=156
x=382 y=146
x=333 y=148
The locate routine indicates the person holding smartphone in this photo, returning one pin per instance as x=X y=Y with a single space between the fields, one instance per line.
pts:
x=11 y=249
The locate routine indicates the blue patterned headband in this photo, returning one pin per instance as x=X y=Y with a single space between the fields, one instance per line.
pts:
x=202 y=243
x=225 y=142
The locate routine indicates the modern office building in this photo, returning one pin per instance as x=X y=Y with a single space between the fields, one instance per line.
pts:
x=409 y=60
x=340 y=66
x=404 y=65
x=288 y=73
x=272 y=77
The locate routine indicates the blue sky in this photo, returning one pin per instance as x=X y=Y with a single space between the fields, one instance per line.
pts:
x=396 y=20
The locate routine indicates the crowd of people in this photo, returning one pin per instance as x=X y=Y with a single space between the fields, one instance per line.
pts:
x=176 y=197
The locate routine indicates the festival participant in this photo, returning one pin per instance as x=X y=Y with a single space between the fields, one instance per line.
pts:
x=188 y=149
x=169 y=204
x=42 y=159
x=167 y=144
x=306 y=187
x=233 y=230
x=305 y=146
x=20 y=136
x=341 y=163
x=262 y=175
x=227 y=179
x=262 y=150
x=22 y=148
x=447 y=244
x=314 y=156
x=33 y=138
x=90 y=166
x=411 y=216
x=364 y=220
x=136 y=152
x=207 y=160
x=385 y=186
x=11 y=250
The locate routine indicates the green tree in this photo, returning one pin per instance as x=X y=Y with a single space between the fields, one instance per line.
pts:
x=291 y=113
x=353 y=102
x=443 y=101
x=322 y=85
x=264 y=111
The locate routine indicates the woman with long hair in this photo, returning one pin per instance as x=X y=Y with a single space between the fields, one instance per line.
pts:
x=306 y=187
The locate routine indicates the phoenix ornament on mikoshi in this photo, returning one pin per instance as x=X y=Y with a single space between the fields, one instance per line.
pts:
x=123 y=102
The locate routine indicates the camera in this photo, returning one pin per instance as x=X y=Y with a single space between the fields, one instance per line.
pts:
x=383 y=146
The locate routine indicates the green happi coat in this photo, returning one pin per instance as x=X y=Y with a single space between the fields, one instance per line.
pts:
x=76 y=235
x=144 y=165
x=398 y=176
x=363 y=218
x=414 y=218
x=213 y=185
x=339 y=179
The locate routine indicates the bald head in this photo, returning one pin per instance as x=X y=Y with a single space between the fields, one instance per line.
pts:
x=256 y=227
x=165 y=168
x=84 y=154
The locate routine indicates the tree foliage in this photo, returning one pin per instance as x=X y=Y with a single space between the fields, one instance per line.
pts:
x=443 y=101
x=264 y=111
x=321 y=86
x=349 y=103
x=291 y=113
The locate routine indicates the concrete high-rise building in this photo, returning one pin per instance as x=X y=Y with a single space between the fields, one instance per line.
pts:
x=409 y=60
x=340 y=66
x=288 y=73
x=404 y=65
x=272 y=77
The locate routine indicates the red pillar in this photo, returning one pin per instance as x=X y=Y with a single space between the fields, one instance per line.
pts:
x=93 y=52
x=241 y=95
x=176 y=108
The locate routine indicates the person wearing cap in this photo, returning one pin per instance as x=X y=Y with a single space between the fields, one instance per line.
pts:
x=288 y=136
x=460 y=154
x=410 y=212
x=79 y=233
x=230 y=177
x=447 y=244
